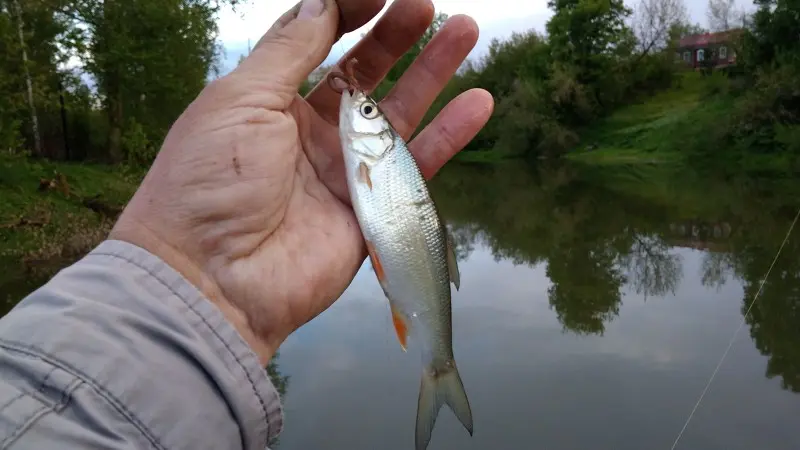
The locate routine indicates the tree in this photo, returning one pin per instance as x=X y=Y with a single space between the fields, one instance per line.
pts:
x=29 y=57
x=588 y=40
x=774 y=33
x=653 y=20
x=721 y=14
x=584 y=31
x=28 y=83
x=150 y=58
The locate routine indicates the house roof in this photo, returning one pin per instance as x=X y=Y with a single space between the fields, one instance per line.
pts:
x=699 y=40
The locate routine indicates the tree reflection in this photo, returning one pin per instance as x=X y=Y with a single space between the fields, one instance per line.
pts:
x=774 y=319
x=582 y=234
x=281 y=383
x=601 y=232
x=585 y=293
x=715 y=269
x=651 y=267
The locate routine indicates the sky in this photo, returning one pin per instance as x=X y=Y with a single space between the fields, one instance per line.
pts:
x=495 y=18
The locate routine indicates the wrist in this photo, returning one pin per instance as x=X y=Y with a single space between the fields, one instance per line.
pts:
x=140 y=235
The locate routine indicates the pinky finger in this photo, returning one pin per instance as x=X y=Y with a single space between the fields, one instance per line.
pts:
x=451 y=130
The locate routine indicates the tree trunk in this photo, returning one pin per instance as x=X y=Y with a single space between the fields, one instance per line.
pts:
x=64 y=129
x=115 y=124
x=31 y=104
x=113 y=85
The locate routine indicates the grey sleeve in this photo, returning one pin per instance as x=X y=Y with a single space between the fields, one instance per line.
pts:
x=120 y=351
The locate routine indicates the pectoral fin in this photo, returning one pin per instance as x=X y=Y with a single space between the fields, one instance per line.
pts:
x=400 y=321
x=452 y=262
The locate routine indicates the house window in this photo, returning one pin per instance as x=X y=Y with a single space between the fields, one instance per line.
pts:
x=677 y=56
x=687 y=56
x=723 y=52
x=701 y=55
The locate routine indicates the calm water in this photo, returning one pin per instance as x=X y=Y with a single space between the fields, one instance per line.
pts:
x=594 y=306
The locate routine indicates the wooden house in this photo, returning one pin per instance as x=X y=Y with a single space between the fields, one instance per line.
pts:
x=708 y=50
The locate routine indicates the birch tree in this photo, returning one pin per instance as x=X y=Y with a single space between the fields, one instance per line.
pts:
x=28 y=83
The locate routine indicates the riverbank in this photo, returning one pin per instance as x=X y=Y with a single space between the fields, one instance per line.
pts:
x=644 y=132
x=692 y=123
x=52 y=213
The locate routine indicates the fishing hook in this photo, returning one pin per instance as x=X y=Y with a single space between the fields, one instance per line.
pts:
x=347 y=75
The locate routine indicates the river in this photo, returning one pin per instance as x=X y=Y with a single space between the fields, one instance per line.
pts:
x=595 y=304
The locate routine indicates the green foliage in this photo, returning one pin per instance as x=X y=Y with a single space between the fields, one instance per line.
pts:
x=548 y=90
x=759 y=129
x=138 y=148
x=150 y=59
x=41 y=31
x=745 y=117
x=590 y=35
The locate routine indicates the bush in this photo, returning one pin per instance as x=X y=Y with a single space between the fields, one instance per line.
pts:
x=138 y=149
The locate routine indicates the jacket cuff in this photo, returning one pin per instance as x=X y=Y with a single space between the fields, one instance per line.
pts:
x=237 y=371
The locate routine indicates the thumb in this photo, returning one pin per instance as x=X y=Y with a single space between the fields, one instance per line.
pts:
x=295 y=45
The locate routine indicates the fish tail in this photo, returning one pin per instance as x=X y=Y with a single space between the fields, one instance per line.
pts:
x=440 y=385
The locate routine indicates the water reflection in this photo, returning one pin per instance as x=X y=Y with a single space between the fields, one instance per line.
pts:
x=594 y=306
x=599 y=232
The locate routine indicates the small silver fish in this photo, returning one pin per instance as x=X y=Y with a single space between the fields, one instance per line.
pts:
x=409 y=249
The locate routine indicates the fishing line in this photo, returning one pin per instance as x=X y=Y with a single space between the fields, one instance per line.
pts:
x=730 y=344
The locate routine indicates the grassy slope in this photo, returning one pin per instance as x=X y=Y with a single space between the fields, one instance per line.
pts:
x=649 y=131
x=53 y=225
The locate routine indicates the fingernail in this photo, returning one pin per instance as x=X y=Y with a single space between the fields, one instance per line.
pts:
x=310 y=9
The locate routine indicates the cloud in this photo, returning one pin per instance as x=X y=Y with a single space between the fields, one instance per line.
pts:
x=495 y=19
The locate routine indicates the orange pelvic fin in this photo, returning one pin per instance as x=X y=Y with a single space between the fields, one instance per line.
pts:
x=400 y=326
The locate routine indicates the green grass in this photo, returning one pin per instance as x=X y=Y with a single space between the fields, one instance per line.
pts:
x=648 y=131
x=37 y=226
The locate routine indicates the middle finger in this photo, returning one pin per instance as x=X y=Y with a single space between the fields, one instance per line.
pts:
x=412 y=95
x=400 y=27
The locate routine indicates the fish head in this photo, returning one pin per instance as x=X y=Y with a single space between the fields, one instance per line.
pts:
x=363 y=127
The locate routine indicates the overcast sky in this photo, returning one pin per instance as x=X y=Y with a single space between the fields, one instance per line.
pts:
x=495 y=18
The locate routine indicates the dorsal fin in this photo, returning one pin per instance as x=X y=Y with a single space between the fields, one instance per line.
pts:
x=450 y=252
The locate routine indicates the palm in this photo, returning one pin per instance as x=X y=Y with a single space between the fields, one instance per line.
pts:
x=248 y=195
x=311 y=246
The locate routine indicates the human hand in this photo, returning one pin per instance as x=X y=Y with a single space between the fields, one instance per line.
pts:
x=247 y=197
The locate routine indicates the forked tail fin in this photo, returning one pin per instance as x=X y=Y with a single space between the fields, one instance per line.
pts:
x=439 y=386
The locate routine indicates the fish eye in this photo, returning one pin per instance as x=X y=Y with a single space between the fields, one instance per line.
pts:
x=369 y=110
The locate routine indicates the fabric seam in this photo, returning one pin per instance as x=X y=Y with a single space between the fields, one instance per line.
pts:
x=65 y=397
x=208 y=326
x=108 y=396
